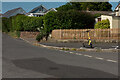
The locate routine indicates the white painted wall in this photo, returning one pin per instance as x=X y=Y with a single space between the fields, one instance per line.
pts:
x=104 y=17
x=31 y=14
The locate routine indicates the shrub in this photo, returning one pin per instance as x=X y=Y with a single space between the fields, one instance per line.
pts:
x=25 y=23
x=104 y=24
x=6 y=24
x=18 y=33
x=41 y=35
x=97 y=15
x=71 y=19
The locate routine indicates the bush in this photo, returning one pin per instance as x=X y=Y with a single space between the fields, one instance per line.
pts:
x=71 y=19
x=104 y=24
x=41 y=35
x=18 y=33
x=25 y=23
x=97 y=15
x=6 y=24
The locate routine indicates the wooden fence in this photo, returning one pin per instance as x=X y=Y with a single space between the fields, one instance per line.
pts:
x=113 y=34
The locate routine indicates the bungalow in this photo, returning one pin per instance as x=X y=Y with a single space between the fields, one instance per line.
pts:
x=14 y=12
x=40 y=11
x=113 y=17
x=117 y=10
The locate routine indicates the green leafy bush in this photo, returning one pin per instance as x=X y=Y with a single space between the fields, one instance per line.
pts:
x=18 y=33
x=104 y=24
x=71 y=19
x=25 y=23
x=41 y=35
x=6 y=24
x=97 y=15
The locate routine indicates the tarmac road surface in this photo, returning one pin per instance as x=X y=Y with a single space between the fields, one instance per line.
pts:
x=22 y=60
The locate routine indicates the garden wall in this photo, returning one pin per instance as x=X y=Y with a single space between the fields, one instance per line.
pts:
x=26 y=34
x=95 y=34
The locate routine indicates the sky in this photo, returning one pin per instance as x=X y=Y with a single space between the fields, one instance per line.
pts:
x=28 y=6
x=59 y=0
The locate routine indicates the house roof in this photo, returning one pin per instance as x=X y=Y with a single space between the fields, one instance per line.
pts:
x=52 y=9
x=99 y=12
x=40 y=8
x=13 y=12
x=117 y=6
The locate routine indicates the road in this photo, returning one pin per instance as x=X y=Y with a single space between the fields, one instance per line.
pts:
x=22 y=60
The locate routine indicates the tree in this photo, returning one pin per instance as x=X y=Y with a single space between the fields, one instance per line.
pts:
x=71 y=19
x=104 y=24
x=92 y=6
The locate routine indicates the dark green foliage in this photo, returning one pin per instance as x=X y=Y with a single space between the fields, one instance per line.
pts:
x=104 y=24
x=41 y=35
x=6 y=24
x=18 y=33
x=71 y=19
x=25 y=23
x=97 y=15
x=92 y=6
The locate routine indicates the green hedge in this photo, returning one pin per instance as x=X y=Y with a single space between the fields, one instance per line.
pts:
x=71 y=19
x=104 y=24
x=6 y=24
x=22 y=23
x=25 y=23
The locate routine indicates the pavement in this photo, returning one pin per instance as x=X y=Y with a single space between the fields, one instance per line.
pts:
x=23 y=60
x=79 y=45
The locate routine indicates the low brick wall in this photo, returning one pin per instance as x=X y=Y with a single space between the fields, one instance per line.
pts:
x=28 y=34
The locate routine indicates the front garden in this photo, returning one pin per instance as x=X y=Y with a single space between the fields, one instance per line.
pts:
x=62 y=19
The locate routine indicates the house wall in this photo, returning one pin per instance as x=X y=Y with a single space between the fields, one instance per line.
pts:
x=116 y=22
x=104 y=17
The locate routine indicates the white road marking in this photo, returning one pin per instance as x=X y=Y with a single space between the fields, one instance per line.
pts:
x=87 y=55
x=79 y=54
x=71 y=52
x=65 y=51
x=91 y=56
x=111 y=60
x=61 y=50
x=99 y=58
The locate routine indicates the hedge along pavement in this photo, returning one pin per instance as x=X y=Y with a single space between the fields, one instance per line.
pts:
x=73 y=49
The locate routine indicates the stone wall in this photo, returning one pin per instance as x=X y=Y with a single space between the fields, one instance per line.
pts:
x=28 y=34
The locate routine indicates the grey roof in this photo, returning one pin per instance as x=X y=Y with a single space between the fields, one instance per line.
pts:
x=14 y=12
x=101 y=12
x=117 y=6
x=38 y=9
